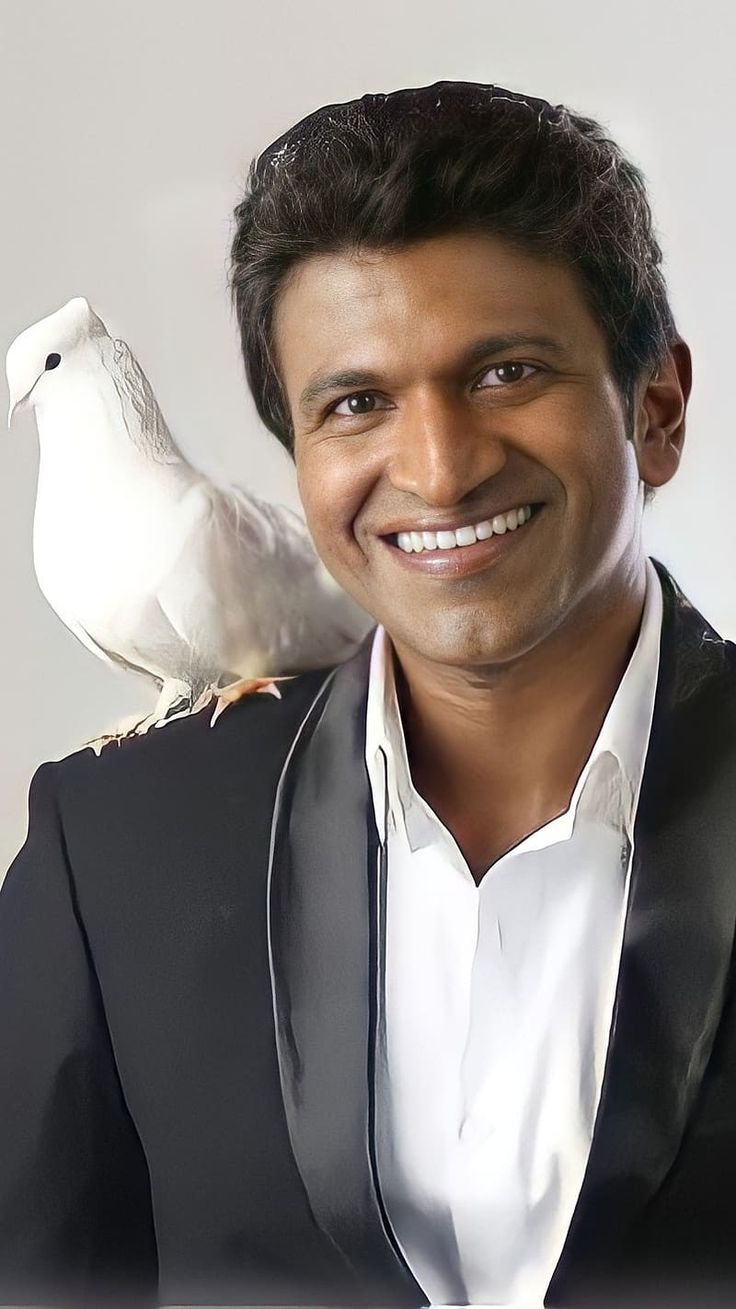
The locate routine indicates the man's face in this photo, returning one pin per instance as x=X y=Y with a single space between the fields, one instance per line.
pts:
x=432 y=424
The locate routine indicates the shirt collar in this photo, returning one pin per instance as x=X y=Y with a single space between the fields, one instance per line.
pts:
x=626 y=728
x=624 y=734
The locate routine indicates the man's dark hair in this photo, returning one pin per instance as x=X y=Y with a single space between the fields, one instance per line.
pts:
x=386 y=170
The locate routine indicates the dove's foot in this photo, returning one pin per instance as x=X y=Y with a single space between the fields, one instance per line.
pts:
x=145 y=724
x=174 y=701
x=98 y=743
x=227 y=695
x=124 y=729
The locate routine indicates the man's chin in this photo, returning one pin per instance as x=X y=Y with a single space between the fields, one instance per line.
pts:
x=471 y=651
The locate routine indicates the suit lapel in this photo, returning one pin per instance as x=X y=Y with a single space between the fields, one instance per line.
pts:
x=677 y=941
x=323 y=921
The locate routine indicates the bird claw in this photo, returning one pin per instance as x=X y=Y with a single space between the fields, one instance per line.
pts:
x=128 y=728
x=224 y=696
x=227 y=695
x=140 y=728
x=146 y=724
x=98 y=743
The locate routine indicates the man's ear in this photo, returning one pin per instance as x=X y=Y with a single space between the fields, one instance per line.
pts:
x=659 y=419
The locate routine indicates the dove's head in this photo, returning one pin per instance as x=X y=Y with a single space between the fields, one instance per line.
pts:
x=48 y=345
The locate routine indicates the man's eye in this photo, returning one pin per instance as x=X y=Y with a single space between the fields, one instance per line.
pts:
x=509 y=366
x=354 y=406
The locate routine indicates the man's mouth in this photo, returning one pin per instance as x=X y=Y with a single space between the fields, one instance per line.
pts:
x=460 y=560
x=420 y=542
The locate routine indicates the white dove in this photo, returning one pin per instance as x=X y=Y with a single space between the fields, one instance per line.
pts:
x=144 y=558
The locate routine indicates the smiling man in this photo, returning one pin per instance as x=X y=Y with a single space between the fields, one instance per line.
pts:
x=493 y=424
x=416 y=985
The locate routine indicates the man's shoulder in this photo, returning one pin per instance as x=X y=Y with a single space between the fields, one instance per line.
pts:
x=696 y=660
x=252 y=735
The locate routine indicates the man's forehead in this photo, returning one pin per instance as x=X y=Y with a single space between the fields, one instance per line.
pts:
x=471 y=278
x=365 y=273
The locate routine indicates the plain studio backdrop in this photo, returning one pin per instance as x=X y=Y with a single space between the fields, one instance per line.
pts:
x=128 y=131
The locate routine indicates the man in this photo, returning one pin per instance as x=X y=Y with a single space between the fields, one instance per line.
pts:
x=413 y=986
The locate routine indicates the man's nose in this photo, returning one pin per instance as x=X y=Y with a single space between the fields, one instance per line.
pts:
x=444 y=448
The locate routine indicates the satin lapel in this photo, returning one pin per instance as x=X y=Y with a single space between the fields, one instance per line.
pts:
x=323 y=919
x=678 y=937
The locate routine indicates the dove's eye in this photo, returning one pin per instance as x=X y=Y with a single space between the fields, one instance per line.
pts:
x=52 y=360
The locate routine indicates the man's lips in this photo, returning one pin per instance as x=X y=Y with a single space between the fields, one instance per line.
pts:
x=462 y=560
x=392 y=529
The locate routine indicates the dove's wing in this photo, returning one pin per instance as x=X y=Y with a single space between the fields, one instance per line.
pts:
x=113 y=659
x=309 y=620
x=266 y=528
x=146 y=425
x=83 y=635
x=217 y=595
x=108 y=657
x=246 y=594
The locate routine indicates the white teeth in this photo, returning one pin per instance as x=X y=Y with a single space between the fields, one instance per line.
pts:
x=465 y=535
x=446 y=540
x=417 y=541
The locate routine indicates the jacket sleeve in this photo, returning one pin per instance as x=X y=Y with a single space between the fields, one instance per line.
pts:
x=76 y=1222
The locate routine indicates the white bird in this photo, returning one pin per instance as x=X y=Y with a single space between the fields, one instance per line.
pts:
x=146 y=560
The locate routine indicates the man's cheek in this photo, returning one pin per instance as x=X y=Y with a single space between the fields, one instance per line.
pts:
x=333 y=522
x=329 y=542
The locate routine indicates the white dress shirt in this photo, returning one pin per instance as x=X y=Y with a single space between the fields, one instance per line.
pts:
x=497 y=1004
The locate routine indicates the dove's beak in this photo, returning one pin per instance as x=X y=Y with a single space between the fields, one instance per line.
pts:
x=15 y=405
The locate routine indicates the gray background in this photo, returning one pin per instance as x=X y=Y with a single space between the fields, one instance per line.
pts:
x=127 y=134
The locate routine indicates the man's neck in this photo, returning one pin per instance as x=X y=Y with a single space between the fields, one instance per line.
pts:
x=506 y=745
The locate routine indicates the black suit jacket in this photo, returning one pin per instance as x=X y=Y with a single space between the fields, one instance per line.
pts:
x=190 y=942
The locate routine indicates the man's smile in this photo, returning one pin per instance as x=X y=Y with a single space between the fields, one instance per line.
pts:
x=415 y=550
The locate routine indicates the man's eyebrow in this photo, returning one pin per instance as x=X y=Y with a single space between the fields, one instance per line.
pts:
x=346 y=380
x=353 y=378
x=491 y=345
